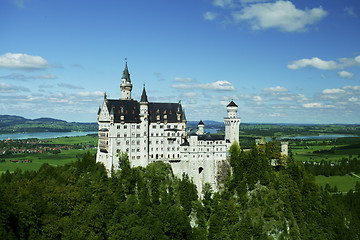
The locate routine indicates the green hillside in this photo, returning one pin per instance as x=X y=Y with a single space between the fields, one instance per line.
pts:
x=17 y=124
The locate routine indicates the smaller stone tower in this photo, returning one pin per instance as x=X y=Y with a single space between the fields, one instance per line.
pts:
x=200 y=128
x=126 y=85
x=232 y=123
x=144 y=128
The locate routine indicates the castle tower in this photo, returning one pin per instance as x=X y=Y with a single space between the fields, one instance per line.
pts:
x=232 y=123
x=126 y=85
x=284 y=148
x=200 y=128
x=144 y=128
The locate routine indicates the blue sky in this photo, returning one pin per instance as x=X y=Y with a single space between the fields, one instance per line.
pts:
x=280 y=61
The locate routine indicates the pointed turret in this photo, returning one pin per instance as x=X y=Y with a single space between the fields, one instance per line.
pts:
x=126 y=74
x=126 y=85
x=144 y=96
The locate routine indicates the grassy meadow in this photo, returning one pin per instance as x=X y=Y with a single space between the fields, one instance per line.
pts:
x=343 y=183
x=65 y=156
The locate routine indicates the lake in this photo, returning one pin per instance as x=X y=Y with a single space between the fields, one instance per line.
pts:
x=319 y=137
x=43 y=135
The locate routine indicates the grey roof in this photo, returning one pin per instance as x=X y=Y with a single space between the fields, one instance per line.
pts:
x=232 y=104
x=126 y=74
x=144 y=96
x=211 y=137
x=201 y=123
x=130 y=109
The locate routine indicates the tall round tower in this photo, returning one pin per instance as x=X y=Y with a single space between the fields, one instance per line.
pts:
x=232 y=123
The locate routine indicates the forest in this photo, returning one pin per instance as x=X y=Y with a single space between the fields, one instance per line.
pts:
x=258 y=201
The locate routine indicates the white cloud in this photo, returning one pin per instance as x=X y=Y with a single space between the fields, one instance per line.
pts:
x=210 y=16
x=353 y=99
x=223 y=3
x=22 y=77
x=333 y=91
x=218 y=85
x=324 y=65
x=274 y=115
x=345 y=74
x=91 y=94
x=314 y=62
x=354 y=88
x=276 y=89
x=185 y=80
x=69 y=86
x=22 y=61
x=350 y=11
x=257 y=98
x=316 y=105
x=282 y=15
x=8 y=88
x=357 y=59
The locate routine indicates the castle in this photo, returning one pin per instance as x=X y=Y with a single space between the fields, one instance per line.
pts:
x=149 y=132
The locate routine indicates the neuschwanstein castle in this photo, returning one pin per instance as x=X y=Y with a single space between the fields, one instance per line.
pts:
x=151 y=131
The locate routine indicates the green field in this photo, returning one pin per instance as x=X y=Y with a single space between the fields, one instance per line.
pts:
x=306 y=153
x=343 y=183
x=84 y=140
x=65 y=156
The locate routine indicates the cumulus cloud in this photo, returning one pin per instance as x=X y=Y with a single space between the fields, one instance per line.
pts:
x=90 y=94
x=350 y=11
x=22 y=77
x=190 y=97
x=282 y=15
x=185 y=80
x=324 y=65
x=22 y=61
x=223 y=3
x=218 y=86
x=8 y=88
x=345 y=74
x=333 y=91
x=314 y=62
x=210 y=16
x=69 y=86
x=276 y=89
x=316 y=105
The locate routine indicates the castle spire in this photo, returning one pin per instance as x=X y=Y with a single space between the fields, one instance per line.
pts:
x=126 y=74
x=143 y=95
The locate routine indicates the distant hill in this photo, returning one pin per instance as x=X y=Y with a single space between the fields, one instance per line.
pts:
x=208 y=124
x=17 y=124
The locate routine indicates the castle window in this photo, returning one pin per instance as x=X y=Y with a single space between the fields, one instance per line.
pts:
x=118 y=135
x=133 y=157
x=127 y=142
x=138 y=149
x=118 y=126
x=154 y=126
x=125 y=126
x=168 y=126
x=138 y=135
x=133 y=126
x=125 y=135
x=138 y=142
x=138 y=157
x=133 y=142
x=161 y=126
x=138 y=126
x=157 y=134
